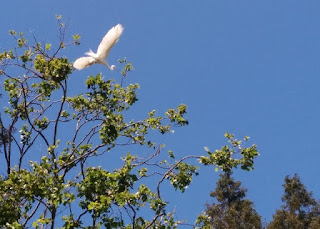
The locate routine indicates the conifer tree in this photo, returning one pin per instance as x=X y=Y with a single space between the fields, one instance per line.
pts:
x=300 y=209
x=233 y=210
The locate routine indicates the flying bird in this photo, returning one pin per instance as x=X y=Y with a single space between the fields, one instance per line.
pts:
x=109 y=40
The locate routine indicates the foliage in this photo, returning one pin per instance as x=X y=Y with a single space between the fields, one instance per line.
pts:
x=225 y=158
x=55 y=146
x=233 y=211
x=300 y=210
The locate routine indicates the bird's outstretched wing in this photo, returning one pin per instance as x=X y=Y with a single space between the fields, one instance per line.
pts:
x=83 y=62
x=109 y=40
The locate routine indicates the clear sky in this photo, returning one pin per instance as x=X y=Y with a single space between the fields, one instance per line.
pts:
x=248 y=67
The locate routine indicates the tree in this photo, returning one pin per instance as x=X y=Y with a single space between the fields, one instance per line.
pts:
x=232 y=211
x=300 y=210
x=54 y=146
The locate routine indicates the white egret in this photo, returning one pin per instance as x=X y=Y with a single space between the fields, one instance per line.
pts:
x=109 y=40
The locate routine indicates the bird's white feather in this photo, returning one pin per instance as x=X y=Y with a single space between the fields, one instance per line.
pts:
x=109 y=40
x=83 y=62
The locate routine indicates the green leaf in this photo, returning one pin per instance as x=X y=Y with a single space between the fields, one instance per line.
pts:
x=76 y=39
x=47 y=47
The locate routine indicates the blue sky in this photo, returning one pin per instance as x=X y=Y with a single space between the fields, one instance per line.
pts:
x=248 y=67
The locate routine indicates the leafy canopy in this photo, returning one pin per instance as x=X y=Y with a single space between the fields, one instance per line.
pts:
x=56 y=144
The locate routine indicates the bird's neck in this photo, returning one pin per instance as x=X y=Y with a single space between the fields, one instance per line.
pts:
x=105 y=63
